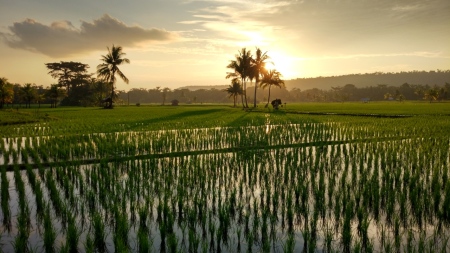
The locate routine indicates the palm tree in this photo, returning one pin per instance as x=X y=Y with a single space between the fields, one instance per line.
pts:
x=28 y=92
x=258 y=68
x=431 y=94
x=271 y=77
x=242 y=69
x=165 y=91
x=234 y=89
x=109 y=68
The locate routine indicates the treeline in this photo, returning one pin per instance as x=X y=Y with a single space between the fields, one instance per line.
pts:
x=74 y=87
x=77 y=88
x=89 y=93
x=438 y=77
x=344 y=93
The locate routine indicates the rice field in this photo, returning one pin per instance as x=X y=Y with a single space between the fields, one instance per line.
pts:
x=220 y=179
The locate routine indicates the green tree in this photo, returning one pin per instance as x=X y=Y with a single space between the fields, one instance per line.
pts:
x=241 y=67
x=6 y=92
x=234 y=89
x=431 y=94
x=69 y=74
x=54 y=94
x=258 y=68
x=28 y=93
x=271 y=77
x=110 y=67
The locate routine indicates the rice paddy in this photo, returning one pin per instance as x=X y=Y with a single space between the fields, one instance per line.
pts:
x=219 y=179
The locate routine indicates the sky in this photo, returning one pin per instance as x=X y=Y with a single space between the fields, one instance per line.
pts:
x=190 y=42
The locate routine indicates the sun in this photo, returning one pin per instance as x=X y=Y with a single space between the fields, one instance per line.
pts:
x=288 y=66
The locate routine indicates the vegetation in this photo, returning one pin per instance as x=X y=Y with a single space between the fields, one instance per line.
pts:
x=234 y=90
x=271 y=77
x=110 y=67
x=345 y=177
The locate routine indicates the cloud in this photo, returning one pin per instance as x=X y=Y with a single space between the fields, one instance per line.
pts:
x=61 y=38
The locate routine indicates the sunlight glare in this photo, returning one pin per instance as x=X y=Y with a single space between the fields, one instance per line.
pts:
x=288 y=66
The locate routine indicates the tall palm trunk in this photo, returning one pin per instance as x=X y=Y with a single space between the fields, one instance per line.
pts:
x=243 y=93
x=268 y=98
x=254 y=98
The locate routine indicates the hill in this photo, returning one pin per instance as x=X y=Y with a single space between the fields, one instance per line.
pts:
x=203 y=87
x=438 y=77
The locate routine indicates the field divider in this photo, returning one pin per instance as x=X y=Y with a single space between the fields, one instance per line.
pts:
x=375 y=115
x=10 y=167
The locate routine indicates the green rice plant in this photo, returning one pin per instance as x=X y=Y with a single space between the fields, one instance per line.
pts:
x=72 y=235
x=289 y=245
x=5 y=200
x=89 y=246
x=99 y=233
x=346 y=230
x=328 y=238
x=49 y=236
x=20 y=243
x=194 y=240
x=121 y=229
x=172 y=243
x=144 y=244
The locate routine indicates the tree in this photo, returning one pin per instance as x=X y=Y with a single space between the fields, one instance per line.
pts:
x=234 y=89
x=271 y=77
x=165 y=91
x=258 y=68
x=69 y=74
x=54 y=94
x=6 y=92
x=431 y=94
x=28 y=93
x=110 y=67
x=241 y=67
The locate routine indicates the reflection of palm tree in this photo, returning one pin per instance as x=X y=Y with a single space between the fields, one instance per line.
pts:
x=258 y=68
x=109 y=68
x=270 y=78
x=242 y=69
x=234 y=89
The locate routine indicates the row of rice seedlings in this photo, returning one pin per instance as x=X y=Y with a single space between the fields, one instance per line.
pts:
x=5 y=197
x=167 y=141
x=20 y=243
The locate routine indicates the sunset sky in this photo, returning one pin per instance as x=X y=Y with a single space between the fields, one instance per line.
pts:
x=189 y=42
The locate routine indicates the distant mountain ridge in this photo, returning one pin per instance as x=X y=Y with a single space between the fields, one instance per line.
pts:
x=439 y=77
x=202 y=87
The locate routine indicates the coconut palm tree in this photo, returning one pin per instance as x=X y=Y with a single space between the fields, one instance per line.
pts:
x=241 y=67
x=271 y=77
x=234 y=89
x=28 y=93
x=258 y=68
x=110 y=67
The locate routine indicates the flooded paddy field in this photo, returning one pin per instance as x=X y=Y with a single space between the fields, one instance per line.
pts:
x=301 y=184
